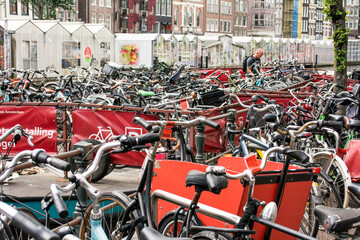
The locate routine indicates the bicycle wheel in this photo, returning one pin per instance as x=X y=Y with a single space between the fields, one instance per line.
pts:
x=291 y=80
x=309 y=224
x=113 y=205
x=338 y=173
x=275 y=85
x=17 y=232
x=5 y=231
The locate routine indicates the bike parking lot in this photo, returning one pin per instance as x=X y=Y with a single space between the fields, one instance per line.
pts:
x=200 y=154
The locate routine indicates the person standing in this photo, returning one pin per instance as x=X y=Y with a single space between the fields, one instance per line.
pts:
x=252 y=68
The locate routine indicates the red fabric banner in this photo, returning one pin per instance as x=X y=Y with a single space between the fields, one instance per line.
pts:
x=40 y=122
x=102 y=125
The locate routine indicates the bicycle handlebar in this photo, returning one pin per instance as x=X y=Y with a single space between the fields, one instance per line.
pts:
x=254 y=108
x=18 y=132
x=27 y=224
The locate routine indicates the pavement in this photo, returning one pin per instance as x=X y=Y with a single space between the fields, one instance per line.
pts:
x=38 y=185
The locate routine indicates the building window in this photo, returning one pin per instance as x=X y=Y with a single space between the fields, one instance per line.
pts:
x=229 y=26
x=244 y=21
x=61 y=16
x=93 y=18
x=176 y=17
x=108 y=21
x=212 y=25
x=221 y=25
x=101 y=18
x=245 y=6
x=216 y=6
x=240 y=21
x=259 y=20
x=216 y=25
x=212 y=6
x=226 y=8
x=13 y=7
x=108 y=3
x=24 y=9
x=124 y=3
x=198 y=18
x=241 y=6
x=29 y=49
x=229 y=8
x=93 y=2
x=70 y=54
x=101 y=2
x=225 y=26
x=157 y=7
x=163 y=8
x=168 y=12
x=207 y=24
x=191 y=18
x=236 y=5
x=208 y=6
x=185 y=19
x=236 y=20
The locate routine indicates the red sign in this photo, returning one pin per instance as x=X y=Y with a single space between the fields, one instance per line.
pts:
x=40 y=122
x=104 y=125
x=87 y=52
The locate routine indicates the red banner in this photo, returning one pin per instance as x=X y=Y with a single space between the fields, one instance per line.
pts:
x=40 y=122
x=102 y=125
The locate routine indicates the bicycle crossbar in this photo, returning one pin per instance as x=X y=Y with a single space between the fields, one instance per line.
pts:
x=184 y=202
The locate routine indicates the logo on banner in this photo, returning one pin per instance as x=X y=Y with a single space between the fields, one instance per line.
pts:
x=132 y=131
x=103 y=135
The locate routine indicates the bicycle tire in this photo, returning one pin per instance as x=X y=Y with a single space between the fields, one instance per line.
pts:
x=103 y=169
x=291 y=80
x=338 y=172
x=115 y=203
x=309 y=224
x=5 y=231
x=17 y=232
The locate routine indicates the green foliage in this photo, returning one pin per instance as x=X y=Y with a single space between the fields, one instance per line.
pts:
x=46 y=9
x=335 y=12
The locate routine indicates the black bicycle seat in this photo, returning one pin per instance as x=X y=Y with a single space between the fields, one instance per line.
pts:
x=198 y=179
x=334 y=117
x=337 y=219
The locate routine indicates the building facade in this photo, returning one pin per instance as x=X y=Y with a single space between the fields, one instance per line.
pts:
x=241 y=17
x=261 y=17
x=188 y=17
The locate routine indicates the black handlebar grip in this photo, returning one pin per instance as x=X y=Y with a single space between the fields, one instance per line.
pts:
x=60 y=205
x=332 y=124
x=147 y=138
x=142 y=122
x=263 y=98
x=211 y=123
x=40 y=157
x=33 y=227
x=17 y=135
x=59 y=164
x=56 y=72
x=302 y=109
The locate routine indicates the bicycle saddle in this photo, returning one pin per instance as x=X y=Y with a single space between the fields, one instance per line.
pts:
x=270 y=117
x=198 y=179
x=298 y=155
x=151 y=234
x=337 y=219
x=355 y=189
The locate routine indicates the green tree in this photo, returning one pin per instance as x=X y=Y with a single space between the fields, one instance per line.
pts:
x=335 y=12
x=46 y=9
